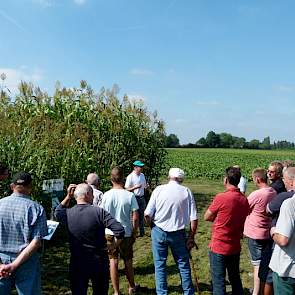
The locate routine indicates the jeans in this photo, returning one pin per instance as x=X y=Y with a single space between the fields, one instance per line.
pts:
x=26 y=278
x=141 y=204
x=177 y=243
x=219 y=264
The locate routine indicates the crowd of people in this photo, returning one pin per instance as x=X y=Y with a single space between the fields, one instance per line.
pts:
x=103 y=227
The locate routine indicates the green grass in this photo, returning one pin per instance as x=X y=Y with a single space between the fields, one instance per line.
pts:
x=55 y=259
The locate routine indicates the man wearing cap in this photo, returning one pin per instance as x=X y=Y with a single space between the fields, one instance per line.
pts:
x=170 y=209
x=22 y=226
x=136 y=183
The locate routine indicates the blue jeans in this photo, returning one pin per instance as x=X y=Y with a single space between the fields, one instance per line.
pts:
x=219 y=264
x=26 y=278
x=177 y=243
x=141 y=204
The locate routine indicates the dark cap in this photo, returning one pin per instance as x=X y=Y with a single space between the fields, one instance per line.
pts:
x=22 y=178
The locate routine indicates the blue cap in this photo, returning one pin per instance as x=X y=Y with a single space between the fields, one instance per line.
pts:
x=138 y=163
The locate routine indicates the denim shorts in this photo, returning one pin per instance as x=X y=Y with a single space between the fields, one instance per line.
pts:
x=256 y=247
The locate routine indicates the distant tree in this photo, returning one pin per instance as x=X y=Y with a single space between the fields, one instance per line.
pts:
x=172 y=141
x=213 y=139
x=253 y=144
x=239 y=142
x=202 y=142
x=265 y=144
x=226 y=140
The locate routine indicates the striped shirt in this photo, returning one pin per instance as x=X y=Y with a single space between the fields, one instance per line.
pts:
x=21 y=221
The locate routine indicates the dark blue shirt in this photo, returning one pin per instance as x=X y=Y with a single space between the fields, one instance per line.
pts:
x=279 y=186
x=86 y=226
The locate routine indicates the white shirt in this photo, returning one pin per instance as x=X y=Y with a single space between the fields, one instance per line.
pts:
x=97 y=196
x=283 y=258
x=134 y=179
x=242 y=184
x=171 y=206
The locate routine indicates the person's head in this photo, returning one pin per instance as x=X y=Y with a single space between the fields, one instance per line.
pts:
x=275 y=171
x=93 y=179
x=138 y=166
x=287 y=164
x=289 y=178
x=22 y=183
x=83 y=193
x=232 y=176
x=4 y=172
x=117 y=176
x=176 y=174
x=259 y=176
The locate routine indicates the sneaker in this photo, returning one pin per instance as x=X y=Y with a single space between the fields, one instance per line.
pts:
x=133 y=290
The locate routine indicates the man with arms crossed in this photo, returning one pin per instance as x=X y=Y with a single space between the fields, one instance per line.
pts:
x=170 y=209
x=86 y=226
x=136 y=183
x=22 y=226
x=228 y=212
x=122 y=205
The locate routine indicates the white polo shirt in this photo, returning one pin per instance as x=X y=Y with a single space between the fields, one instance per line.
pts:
x=283 y=258
x=134 y=179
x=172 y=206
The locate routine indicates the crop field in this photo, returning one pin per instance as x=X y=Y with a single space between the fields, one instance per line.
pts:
x=204 y=168
x=211 y=163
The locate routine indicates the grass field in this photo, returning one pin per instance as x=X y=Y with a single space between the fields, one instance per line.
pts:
x=204 y=168
x=55 y=260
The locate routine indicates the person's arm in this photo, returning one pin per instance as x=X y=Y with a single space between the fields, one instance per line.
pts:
x=25 y=254
x=191 y=237
x=151 y=208
x=209 y=216
x=70 y=194
x=279 y=239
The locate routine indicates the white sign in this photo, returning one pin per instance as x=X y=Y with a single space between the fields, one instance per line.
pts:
x=52 y=226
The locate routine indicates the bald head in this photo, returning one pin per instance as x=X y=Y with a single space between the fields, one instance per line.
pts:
x=93 y=179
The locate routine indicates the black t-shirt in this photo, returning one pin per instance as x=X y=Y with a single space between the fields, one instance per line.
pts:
x=274 y=206
x=279 y=186
x=86 y=226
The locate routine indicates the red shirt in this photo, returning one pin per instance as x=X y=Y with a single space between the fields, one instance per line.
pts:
x=231 y=209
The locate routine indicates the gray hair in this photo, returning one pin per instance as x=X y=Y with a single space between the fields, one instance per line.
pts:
x=93 y=179
x=290 y=173
x=82 y=190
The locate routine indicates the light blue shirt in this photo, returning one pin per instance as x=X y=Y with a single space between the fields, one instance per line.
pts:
x=171 y=206
x=120 y=204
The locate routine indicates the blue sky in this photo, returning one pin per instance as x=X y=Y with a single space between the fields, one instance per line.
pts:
x=226 y=66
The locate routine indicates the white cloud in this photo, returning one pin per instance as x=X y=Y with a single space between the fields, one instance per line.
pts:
x=141 y=72
x=80 y=2
x=207 y=103
x=286 y=88
x=15 y=76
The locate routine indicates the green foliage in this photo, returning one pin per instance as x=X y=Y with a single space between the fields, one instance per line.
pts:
x=78 y=131
x=211 y=163
x=172 y=141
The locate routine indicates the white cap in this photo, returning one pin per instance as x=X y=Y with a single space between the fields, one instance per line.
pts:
x=176 y=172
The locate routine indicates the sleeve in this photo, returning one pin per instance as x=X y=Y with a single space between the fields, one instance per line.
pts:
x=60 y=214
x=128 y=182
x=252 y=200
x=151 y=206
x=242 y=184
x=112 y=224
x=274 y=206
x=215 y=205
x=134 y=204
x=39 y=226
x=193 y=208
x=285 y=223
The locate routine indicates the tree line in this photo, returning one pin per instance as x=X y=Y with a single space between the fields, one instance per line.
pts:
x=226 y=140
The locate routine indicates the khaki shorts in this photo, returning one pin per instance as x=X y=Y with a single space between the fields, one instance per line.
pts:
x=124 y=250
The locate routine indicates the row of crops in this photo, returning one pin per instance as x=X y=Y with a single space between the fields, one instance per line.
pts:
x=211 y=163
